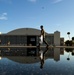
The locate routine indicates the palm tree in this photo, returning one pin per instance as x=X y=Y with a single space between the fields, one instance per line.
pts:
x=68 y=33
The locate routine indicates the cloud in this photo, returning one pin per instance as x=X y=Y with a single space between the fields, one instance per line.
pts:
x=32 y=0
x=57 y=1
x=3 y=16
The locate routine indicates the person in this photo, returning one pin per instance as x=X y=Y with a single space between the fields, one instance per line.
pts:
x=41 y=56
x=42 y=37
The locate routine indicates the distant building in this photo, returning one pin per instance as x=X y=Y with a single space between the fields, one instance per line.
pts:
x=62 y=41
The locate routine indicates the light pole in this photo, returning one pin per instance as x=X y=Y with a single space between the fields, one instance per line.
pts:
x=68 y=33
x=68 y=56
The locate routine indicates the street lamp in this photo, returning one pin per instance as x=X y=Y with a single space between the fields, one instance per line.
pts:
x=68 y=33
x=68 y=56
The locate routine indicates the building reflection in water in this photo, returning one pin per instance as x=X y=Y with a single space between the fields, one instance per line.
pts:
x=16 y=55
x=56 y=54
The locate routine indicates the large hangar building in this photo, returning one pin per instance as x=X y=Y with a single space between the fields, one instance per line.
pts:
x=29 y=36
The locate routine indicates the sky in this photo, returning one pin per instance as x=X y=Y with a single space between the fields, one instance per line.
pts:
x=54 y=15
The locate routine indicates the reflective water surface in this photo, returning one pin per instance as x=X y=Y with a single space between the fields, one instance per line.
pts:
x=46 y=62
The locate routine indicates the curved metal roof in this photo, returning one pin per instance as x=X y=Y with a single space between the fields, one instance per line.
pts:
x=25 y=59
x=25 y=31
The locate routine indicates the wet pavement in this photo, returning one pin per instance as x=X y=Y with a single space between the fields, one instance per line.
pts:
x=54 y=62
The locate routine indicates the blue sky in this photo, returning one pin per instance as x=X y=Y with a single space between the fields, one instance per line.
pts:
x=52 y=14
